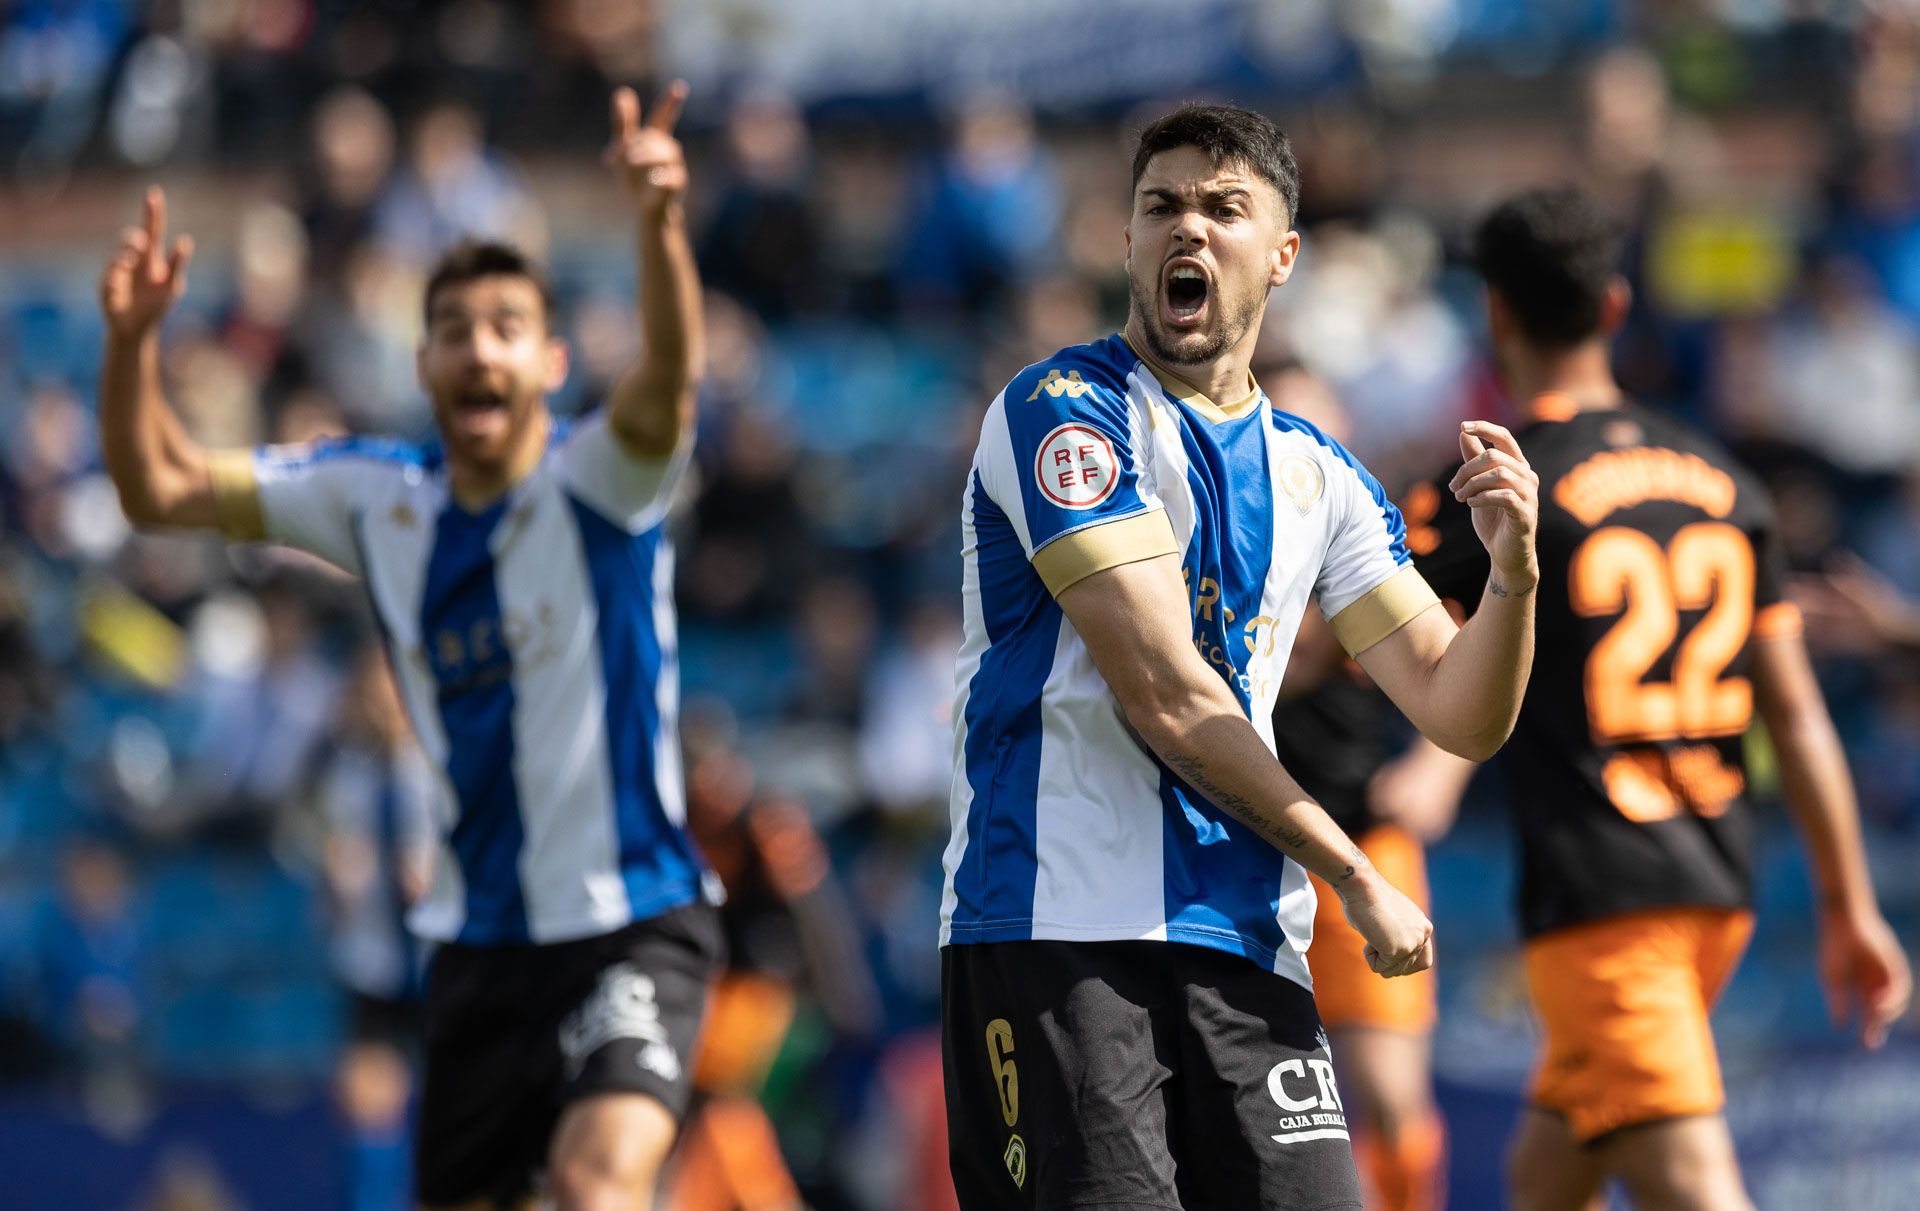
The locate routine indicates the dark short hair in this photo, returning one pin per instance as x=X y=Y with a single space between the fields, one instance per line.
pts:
x=1550 y=253
x=1227 y=134
x=472 y=259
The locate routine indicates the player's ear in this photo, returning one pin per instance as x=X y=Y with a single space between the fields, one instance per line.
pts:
x=559 y=359
x=1281 y=258
x=1615 y=302
x=1126 y=237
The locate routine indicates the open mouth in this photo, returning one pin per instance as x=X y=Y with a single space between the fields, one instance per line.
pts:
x=480 y=409
x=1185 y=291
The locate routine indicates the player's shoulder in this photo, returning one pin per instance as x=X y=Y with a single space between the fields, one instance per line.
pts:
x=363 y=450
x=1301 y=436
x=1097 y=370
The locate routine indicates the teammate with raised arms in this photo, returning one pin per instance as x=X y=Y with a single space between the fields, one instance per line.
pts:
x=520 y=572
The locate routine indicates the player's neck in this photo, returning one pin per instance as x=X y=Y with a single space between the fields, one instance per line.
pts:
x=1224 y=381
x=476 y=485
x=1580 y=379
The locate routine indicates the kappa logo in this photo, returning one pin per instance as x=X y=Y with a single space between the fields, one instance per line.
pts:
x=1077 y=466
x=1302 y=482
x=1070 y=385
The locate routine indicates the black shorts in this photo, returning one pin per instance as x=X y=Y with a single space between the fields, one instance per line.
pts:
x=1134 y=1075
x=515 y=1033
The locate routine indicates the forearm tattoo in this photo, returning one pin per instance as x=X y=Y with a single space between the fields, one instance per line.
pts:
x=1277 y=831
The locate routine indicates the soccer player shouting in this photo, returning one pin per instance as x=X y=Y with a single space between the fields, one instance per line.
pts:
x=520 y=572
x=1128 y=1014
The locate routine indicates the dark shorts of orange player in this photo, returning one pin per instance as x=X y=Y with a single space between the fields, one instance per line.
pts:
x=1623 y=1005
x=1346 y=990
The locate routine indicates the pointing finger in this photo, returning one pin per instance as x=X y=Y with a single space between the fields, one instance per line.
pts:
x=666 y=110
x=626 y=114
x=155 y=217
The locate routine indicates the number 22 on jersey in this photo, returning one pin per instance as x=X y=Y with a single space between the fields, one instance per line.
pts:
x=1708 y=566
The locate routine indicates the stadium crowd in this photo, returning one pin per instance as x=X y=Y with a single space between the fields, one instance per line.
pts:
x=206 y=805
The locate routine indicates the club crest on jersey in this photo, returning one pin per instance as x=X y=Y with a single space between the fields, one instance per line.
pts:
x=1302 y=482
x=1077 y=467
x=1070 y=385
x=1016 y=1161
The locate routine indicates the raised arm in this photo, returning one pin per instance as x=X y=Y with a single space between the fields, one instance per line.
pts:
x=1133 y=621
x=653 y=403
x=1862 y=968
x=159 y=471
x=1462 y=685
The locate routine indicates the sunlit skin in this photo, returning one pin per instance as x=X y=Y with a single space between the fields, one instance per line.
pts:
x=488 y=362
x=1230 y=225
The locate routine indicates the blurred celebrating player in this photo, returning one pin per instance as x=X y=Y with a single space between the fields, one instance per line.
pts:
x=520 y=571
x=1142 y=533
x=1662 y=626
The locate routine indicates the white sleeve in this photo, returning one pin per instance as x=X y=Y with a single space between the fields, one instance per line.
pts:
x=1367 y=586
x=631 y=492
x=302 y=496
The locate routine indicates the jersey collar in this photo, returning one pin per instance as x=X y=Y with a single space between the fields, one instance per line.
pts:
x=1186 y=394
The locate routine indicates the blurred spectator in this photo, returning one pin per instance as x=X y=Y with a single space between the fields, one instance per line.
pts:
x=352 y=151
x=88 y=946
x=264 y=697
x=453 y=185
x=761 y=243
x=1846 y=375
x=377 y=796
x=906 y=740
x=988 y=216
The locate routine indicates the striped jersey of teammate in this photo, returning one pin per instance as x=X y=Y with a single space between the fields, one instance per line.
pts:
x=534 y=644
x=1064 y=825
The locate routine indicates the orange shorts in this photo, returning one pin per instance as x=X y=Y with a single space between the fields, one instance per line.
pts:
x=1346 y=990
x=1623 y=1003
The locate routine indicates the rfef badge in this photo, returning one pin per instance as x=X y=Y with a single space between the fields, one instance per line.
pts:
x=1077 y=467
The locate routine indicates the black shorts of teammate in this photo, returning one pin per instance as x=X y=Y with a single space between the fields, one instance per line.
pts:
x=1134 y=1075
x=516 y=1033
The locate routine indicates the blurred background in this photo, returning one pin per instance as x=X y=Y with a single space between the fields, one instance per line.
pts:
x=210 y=812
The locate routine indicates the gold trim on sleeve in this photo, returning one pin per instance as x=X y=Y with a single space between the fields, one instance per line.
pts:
x=1071 y=558
x=236 y=494
x=1392 y=604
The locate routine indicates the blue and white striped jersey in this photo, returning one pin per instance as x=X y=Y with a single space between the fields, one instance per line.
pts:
x=1064 y=825
x=534 y=645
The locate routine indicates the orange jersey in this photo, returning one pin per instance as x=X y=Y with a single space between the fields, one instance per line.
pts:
x=1658 y=566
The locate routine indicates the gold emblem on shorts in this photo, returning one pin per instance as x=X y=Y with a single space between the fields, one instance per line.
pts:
x=403 y=516
x=1016 y=1159
x=1301 y=480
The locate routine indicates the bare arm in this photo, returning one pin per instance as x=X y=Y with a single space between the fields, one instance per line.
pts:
x=653 y=403
x=1134 y=621
x=1862 y=968
x=1462 y=685
x=159 y=471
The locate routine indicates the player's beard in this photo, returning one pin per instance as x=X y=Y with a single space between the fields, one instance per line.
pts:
x=1231 y=325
